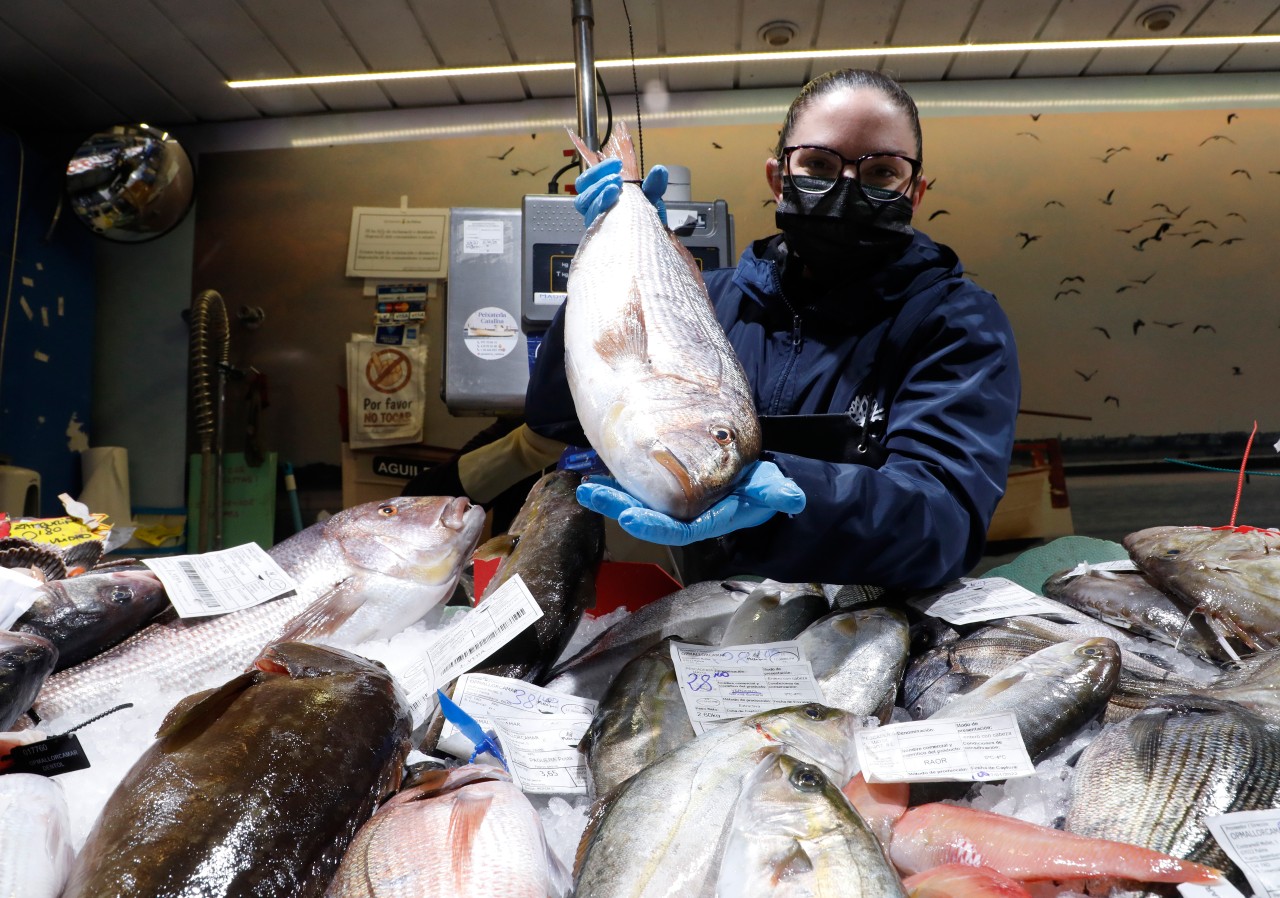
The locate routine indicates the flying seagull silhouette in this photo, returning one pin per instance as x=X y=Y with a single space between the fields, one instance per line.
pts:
x=1204 y=327
x=1130 y=230
x=1230 y=116
x=1204 y=221
x=1237 y=215
x=1137 y=324
x=1106 y=333
x=1216 y=137
x=1200 y=241
x=1027 y=134
x=1168 y=324
x=1126 y=287
x=1143 y=280
x=1035 y=116
x=939 y=212
x=1241 y=171
x=1087 y=377
x=1175 y=215
x=1235 y=369
x=1112 y=399
x=504 y=155
x=1054 y=203
x=1110 y=193
x=1230 y=240
x=1163 y=156
x=716 y=145
x=1027 y=238
x=1066 y=292
x=1072 y=277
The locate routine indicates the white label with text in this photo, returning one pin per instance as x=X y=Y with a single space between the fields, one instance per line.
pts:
x=980 y=750
x=986 y=599
x=1252 y=840
x=223 y=581
x=720 y=683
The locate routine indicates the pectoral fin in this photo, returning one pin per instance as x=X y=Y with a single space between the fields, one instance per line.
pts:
x=624 y=342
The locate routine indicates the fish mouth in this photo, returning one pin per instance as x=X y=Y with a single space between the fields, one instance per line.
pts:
x=454 y=515
x=676 y=468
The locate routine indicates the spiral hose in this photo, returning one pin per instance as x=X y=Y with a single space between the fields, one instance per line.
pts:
x=208 y=354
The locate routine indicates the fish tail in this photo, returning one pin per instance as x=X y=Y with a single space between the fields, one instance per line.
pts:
x=619 y=146
x=589 y=156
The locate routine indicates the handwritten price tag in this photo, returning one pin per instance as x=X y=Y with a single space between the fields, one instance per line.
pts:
x=989 y=598
x=727 y=682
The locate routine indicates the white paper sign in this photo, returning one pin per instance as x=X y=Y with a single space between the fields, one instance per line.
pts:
x=979 y=749
x=482 y=237
x=494 y=622
x=17 y=593
x=1252 y=840
x=1219 y=889
x=542 y=755
x=720 y=683
x=487 y=697
x=393 y=243
x=989 y=598
x=223 y=581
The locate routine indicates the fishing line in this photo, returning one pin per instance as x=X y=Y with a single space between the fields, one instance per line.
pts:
x=1191 y=464
x=635 y=84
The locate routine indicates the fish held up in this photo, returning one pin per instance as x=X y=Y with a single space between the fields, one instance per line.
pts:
x=657 y=387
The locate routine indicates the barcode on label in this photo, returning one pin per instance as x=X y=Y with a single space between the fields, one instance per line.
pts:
x=488 y=638
x=203 y=592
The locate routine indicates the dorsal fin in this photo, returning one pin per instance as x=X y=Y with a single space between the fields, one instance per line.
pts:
x=196 y=710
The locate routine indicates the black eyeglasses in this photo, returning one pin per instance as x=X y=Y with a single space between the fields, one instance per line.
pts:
x=882 y=177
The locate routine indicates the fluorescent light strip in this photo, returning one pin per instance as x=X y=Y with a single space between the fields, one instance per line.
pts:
x=776 y=56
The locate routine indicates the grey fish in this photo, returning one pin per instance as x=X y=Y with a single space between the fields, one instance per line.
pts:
x=25 y=661
x=254 y=788
x=1230 y=574
x=775 y=612
x=1153 y=779
x=1253 y=683
x=1053 y=692
x=699 y=612
x=421 y=542
x=947 y=671
x=554 y=545
x=857 y=659
x=795 y=835
x=663 y=832
x=1130 y=600
x=659 y=391
x=86 y=615
x=641 y=719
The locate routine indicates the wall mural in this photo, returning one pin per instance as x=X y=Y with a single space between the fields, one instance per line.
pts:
x=1133 y=252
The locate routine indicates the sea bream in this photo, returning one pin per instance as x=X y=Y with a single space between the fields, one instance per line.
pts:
x=420 y=542
x=657 y=387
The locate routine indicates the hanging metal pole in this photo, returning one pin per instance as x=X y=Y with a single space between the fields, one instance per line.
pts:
x=584 y=66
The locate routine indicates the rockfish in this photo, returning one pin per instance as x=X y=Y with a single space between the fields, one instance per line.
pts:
x=657 y=387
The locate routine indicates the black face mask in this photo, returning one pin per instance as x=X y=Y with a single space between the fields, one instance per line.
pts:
x=840 y=233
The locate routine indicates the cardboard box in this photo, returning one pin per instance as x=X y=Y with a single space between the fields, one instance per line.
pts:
x=369 y=475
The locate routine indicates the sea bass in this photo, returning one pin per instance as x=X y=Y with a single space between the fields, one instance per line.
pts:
x=254 y=788
x=35 y=837
x=554 y=545
x=423 y=542
x=794 y=835
x=25 y=661
x=461 y=833
x=663 y=832
x=657 y=387
x=86 y=615
x=776 y=612
x=1230 y=574
x=697 y=613
x=857 y=659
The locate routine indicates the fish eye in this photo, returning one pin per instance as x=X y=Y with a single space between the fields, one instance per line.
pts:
x=121 y=594
x=807 y=778
x=388 y=511
x=1092 y=651
x=722 y=434
x=815 y=712
x=1173 y=552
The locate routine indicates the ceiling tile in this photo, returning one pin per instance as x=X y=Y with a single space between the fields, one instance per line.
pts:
x=710 y=26
x=472 y=39
x=1000 y=21
x=388 y=37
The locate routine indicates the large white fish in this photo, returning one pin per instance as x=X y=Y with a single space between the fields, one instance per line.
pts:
x=35 y=837
x=657 y=387
x=378 y=567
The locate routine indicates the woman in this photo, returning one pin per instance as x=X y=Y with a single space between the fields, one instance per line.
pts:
x=887 y=383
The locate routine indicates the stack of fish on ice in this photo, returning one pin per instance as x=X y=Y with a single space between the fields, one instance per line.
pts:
x=275 y=760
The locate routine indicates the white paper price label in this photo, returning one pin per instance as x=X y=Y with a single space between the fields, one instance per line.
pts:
x=989 y=598
x=223 y=581
x=494 y=622
x=1252 y=840
x=727 y=682
x=482 y=237
x=1219 y=889
x=979 y=749
x=17 y=594
x=487 y=698
x=543 y=756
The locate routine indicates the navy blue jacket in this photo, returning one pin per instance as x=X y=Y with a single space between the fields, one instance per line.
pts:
x=951 y=389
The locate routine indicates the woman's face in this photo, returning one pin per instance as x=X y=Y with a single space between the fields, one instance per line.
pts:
x=853 y=122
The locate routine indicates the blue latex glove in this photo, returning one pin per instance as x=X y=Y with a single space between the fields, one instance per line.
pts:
x=600 y=186
x=762 y=492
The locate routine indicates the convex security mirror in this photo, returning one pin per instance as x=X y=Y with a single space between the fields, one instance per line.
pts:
x=130 y=183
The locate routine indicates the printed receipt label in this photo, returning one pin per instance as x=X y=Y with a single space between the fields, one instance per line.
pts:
x=539 y=731
x=1252 y=840
x=988 y=598
x=1219 y=889
x=720 y=683
x=222 y=581
x=488 y=627
x=979 y=749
